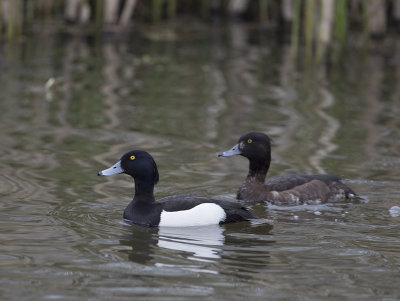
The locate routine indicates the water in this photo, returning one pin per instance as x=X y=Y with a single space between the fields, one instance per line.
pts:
x=185 y=96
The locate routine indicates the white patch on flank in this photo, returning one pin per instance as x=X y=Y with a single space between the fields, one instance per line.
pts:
x=294 y=199
x=200 y=215
x=275 y=194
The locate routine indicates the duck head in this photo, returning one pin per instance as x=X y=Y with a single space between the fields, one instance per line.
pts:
x=138 y=164
x=256 y=147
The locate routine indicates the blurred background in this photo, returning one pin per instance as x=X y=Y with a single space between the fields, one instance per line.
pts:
x=82 y=82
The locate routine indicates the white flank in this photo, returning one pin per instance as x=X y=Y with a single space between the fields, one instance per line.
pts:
x=201 y=215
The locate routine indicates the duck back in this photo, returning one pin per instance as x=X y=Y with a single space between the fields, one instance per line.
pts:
x=286 y=182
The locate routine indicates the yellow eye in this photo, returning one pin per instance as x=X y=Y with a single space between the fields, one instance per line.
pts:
x=133 y=157
x=249 y=141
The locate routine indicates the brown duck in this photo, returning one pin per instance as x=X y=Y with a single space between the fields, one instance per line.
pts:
x=283 y=190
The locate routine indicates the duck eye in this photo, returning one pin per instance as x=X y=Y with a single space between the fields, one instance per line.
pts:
x=133 y=157
x=249 y=141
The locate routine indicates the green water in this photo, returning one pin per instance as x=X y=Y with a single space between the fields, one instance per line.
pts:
x=184 y=96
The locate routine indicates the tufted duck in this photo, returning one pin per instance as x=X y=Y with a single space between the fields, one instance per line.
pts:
x=174 y=211
x=283 y=190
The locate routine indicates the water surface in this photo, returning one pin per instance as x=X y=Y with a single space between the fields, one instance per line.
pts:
x=184 y=97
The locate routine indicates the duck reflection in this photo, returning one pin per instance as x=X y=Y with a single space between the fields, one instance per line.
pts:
x=227 y=244
x=246 y=252
x=142 y=240
x=203 y=242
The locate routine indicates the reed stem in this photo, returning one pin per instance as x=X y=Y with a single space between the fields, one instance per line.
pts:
x=295 y=29
x=172 y=8
x=156 y=11
x=309 y=24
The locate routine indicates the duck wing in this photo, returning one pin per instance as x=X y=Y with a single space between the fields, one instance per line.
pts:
x=312 y=192
x=287 y=182
x=182 y=202
x=235 y=211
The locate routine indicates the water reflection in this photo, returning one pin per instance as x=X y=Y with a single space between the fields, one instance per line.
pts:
x=203 y=242
x=184 y=100
x=238 y=247
x=197 y=243
x=142 y=241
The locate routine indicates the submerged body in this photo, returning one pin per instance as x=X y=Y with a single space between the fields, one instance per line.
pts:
x=283 y=190
x=173 y=211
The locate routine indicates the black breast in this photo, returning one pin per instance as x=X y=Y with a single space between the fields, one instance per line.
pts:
x=142 y=213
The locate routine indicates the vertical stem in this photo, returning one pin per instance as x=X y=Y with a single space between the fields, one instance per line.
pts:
x=287 y=10
x=10 y=19
x=111 y=11
x=376 y=10
x=85 y=12
x=341 y=20
x=294 y=44
x=1 y=18
x=30 y=11
x=156 y=11
x=396 y=10
x=172 y=6
x=99 y=14
x=48 y=7
x=309 y=27
x=325 y=28
x=14 y=26
x=205 y=8
x=127 y=12
x=263 y=14
x=237 y=7
x=71 y=10
x=365 y=17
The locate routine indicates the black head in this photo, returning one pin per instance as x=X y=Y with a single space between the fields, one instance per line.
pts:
x=253 y=145
x=138 y=164
x=256 y=147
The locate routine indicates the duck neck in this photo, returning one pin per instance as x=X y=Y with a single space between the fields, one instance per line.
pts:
x=144 y=191
x=258 y=169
